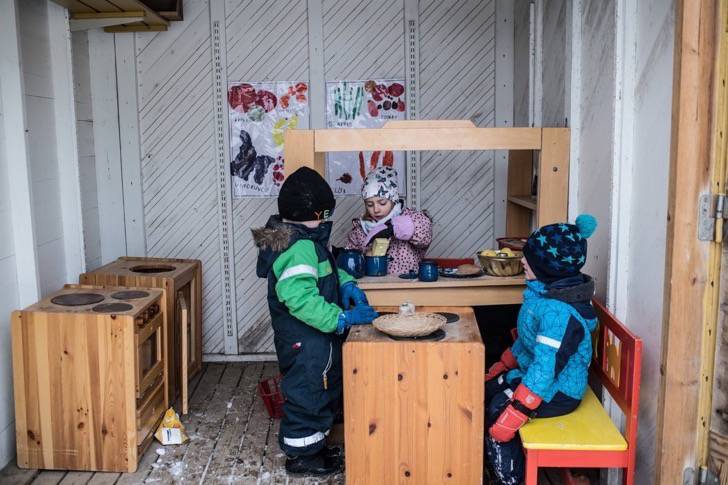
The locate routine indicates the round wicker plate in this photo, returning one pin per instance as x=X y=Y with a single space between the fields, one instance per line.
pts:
x=414 y=325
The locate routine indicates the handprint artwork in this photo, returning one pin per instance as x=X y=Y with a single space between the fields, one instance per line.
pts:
x=362 y=104
x=260 y=114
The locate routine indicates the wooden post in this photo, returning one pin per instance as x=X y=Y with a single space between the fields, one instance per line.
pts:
x=686 y=272
x=553 y=177
x=299 y=152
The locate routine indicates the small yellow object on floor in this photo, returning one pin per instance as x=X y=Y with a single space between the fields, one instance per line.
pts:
x=587 y=428
x=171 y=431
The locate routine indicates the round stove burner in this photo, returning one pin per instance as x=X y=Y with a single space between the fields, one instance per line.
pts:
x=433 y=337
x=77 y=299
x=451 y=317
x=158 y=268
x=112 y=308
x=129 y=294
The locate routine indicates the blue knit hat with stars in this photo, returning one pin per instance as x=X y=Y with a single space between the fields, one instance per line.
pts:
x=558 y=251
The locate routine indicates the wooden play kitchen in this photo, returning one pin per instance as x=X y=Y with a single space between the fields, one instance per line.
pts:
x=414 y=407
x=182 y=281
x=532 y=151
x=89 y=380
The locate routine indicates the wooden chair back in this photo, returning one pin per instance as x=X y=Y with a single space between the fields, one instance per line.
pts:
x=617 y=362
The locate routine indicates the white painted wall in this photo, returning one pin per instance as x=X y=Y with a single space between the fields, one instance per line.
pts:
x=35 y=47
x=8 y=303
x=86 y=150
x=645 y=245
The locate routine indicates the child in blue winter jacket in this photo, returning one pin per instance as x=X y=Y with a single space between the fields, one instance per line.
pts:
x=545 y=372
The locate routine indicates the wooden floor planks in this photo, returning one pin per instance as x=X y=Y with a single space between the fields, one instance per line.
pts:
x=232 y=441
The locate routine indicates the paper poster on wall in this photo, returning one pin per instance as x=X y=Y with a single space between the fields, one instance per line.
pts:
x=260 y=114
x=363 y=104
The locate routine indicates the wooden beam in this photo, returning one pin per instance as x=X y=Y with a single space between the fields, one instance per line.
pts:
x=137 y=27
x=88 y=21
x=687 y=258
x=347 y=140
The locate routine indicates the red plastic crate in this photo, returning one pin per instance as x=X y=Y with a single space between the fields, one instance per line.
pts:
x=270 y=391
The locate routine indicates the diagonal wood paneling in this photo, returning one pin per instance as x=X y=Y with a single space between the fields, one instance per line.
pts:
x=266 y=41
x=457 y=81
x=363 y=40
x=178 y=166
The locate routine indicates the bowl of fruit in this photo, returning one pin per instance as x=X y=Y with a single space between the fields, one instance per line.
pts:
x=501 y=262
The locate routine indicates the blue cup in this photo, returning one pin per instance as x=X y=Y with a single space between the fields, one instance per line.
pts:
x=428 y=271
x=376 y=265
x=351 y=261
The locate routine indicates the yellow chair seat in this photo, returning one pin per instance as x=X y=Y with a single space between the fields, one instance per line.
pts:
x=587 y=428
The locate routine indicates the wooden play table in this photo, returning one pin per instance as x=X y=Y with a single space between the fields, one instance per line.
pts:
x=414 y=408
x=484 y=290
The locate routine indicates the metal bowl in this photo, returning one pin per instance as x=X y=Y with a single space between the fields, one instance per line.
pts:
x=502 y=265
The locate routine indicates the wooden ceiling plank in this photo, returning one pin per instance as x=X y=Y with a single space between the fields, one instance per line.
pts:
x=152 y=17
x=136 y=27
x=106 y=15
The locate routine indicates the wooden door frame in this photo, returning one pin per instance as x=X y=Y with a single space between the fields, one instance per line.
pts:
x=692 y=266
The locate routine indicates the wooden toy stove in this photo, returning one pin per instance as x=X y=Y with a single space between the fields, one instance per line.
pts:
x=88 y=372
x=182 y=280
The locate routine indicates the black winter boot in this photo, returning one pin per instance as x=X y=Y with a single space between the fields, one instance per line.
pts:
x=322 y=463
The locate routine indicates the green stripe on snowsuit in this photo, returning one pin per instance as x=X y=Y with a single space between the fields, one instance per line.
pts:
x=298 y=271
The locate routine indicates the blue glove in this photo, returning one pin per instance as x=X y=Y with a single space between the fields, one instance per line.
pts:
x=352 y=296
x=359 y=315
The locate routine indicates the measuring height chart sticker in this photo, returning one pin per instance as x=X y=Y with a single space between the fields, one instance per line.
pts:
x=363 y=104
x=260 y=114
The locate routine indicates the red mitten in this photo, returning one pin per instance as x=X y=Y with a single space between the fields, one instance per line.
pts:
x=507 y=362
x=515 y=414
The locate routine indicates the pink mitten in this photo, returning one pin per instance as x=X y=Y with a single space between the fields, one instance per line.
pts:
x=404 y=227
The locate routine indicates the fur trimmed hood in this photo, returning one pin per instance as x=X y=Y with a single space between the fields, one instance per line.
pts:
x=277 y=236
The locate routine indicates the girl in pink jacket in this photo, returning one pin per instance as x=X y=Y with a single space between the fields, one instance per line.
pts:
x=409 y=231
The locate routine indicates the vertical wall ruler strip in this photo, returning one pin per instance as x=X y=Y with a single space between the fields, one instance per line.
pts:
x=412 y=80
x=225 y=216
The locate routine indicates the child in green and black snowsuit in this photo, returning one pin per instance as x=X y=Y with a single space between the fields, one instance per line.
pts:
x=312 y=304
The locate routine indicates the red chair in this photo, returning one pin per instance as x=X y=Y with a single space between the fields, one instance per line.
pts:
x=587 y=438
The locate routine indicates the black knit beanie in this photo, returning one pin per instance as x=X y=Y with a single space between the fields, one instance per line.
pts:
x=306 y=196
x=558 y=251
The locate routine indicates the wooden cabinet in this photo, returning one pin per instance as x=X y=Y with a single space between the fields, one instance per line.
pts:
x=414 y=409
x=182 y=280
x=89 y=378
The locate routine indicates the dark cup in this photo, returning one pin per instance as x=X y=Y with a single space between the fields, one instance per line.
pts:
x=428 y=271
x=376 y=265
x=351 y=261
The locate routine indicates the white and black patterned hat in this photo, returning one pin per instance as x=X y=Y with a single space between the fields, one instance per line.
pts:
x=381 y=182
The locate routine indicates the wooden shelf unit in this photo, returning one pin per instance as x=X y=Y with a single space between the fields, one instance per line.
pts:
x=308 y=148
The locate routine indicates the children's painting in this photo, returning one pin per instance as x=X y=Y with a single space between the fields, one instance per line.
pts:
x=260 y=114
x=363 y=104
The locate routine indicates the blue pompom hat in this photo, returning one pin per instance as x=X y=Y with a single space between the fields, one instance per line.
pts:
x=558 y=251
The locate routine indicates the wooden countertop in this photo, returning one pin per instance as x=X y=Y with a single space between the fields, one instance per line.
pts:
x=462 y=292
x=464 y=330
x=395 y=282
